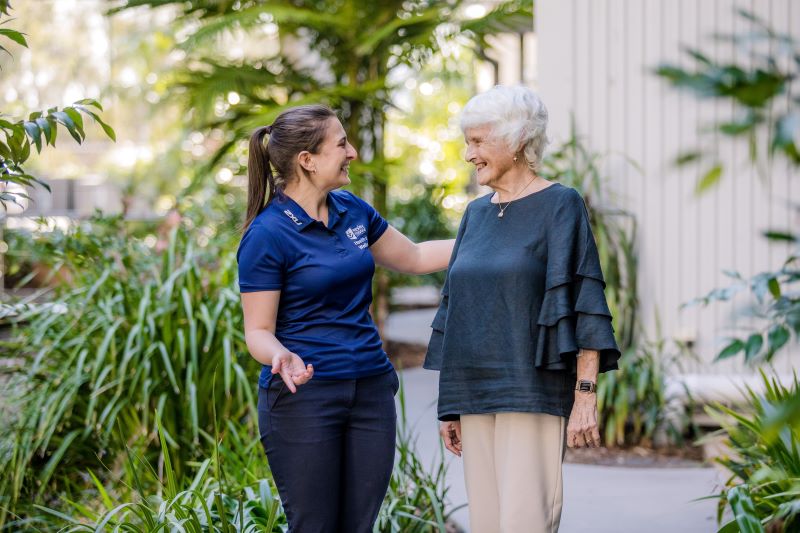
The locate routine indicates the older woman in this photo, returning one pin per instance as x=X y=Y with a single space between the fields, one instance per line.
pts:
x=523 y=327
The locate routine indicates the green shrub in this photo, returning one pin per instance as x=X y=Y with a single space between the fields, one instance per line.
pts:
x=163 y=502
x=141 y=332
x=221 y=497
x=420 y=218
x=416 y=501
x=632 y=401
x=764 y=489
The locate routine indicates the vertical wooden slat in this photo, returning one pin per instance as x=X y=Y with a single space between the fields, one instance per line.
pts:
x=615 y=107
x=727 y=193
x=688 y=203
x=583 y=65
x=650 y=273
x=706 y=260
x=634 y=104
x=634 y=118
x=555 y=31
x=597 y=88
x=670 y=210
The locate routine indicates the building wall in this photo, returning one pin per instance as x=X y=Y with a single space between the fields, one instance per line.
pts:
x=595 y=62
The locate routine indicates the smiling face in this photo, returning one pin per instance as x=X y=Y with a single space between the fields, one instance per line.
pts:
x=333 y=159
x=490 y=155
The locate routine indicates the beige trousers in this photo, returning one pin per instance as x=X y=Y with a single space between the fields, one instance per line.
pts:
x=512 y=468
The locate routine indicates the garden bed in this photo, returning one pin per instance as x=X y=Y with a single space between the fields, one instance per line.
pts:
x=405 y=355
x=639 y=457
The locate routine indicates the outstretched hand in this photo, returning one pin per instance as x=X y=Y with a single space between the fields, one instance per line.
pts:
x=292 y=370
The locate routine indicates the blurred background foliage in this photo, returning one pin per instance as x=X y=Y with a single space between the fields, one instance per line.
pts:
x=762 y=439
x=40 y=129
x=349 y=55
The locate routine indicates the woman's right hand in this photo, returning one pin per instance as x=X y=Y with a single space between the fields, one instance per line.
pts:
x=451 y=435
x=292 y=369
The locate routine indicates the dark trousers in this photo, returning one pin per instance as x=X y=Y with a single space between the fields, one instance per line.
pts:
x=330 y=447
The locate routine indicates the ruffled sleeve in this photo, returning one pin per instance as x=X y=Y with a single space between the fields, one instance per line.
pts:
x=574 y=313
x=433 y=357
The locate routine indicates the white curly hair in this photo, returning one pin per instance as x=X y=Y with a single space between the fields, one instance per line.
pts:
x=516 y=115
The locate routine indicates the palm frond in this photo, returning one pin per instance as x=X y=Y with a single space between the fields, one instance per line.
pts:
x=284 y=15
x=515 y=16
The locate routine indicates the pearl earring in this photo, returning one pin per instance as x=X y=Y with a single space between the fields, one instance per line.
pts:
x=515 y=159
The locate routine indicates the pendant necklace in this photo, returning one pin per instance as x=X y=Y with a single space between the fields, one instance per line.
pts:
x=502 y=208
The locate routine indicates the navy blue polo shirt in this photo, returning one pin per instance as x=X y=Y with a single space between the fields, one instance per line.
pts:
x=325 y=278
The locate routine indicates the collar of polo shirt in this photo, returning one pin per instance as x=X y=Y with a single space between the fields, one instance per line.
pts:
x=301 y=220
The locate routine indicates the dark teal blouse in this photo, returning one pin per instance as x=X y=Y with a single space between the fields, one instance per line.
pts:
x=524 y=293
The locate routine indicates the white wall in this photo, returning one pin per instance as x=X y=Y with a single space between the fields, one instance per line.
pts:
x=595 y=60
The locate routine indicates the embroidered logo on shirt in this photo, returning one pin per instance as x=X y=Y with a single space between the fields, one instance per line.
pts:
x=294 y=218
x=356 y=234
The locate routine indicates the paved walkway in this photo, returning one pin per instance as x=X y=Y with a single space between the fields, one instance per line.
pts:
x=599 y=499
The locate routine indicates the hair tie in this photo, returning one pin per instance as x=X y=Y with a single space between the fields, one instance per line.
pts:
x=268 y=129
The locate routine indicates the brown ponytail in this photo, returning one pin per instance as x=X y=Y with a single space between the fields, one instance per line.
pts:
x=297 y=129
x=259 y=175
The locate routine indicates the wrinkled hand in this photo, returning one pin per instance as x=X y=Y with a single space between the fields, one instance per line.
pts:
x=582 y=429
x=451 y=435
x=292 y=370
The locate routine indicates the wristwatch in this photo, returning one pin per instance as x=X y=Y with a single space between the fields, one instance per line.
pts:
x=585 y=385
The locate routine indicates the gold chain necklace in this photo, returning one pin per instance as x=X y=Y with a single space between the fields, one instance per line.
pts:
x=503 y=209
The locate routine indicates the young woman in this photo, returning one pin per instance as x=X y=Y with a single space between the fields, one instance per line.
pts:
x=306 y=260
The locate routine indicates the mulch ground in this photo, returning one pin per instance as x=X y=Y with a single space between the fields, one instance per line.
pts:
x=639 y=457
x=405 y=355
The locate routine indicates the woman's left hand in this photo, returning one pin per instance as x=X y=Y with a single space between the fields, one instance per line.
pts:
x=582 y=429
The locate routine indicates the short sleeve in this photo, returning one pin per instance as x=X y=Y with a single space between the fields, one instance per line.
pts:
x=377 y=225
x=574 y=313
x=433 y=356
x=260 y=258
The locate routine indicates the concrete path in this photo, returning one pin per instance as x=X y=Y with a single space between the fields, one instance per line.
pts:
x=599 y=499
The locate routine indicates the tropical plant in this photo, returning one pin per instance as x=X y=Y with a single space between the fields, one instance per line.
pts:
x=164 y=501
x=341 y=53
x=777 y=305
x=764 y=488
x=420 y=218
x=416 y=501
x=138 y=332
x=39 y=130
x=758 y=91
x=220 y=498
x=757 y=88
x=632 y=403
x=769 y=119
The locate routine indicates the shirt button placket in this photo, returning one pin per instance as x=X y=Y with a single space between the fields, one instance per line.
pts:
x=337 y=243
